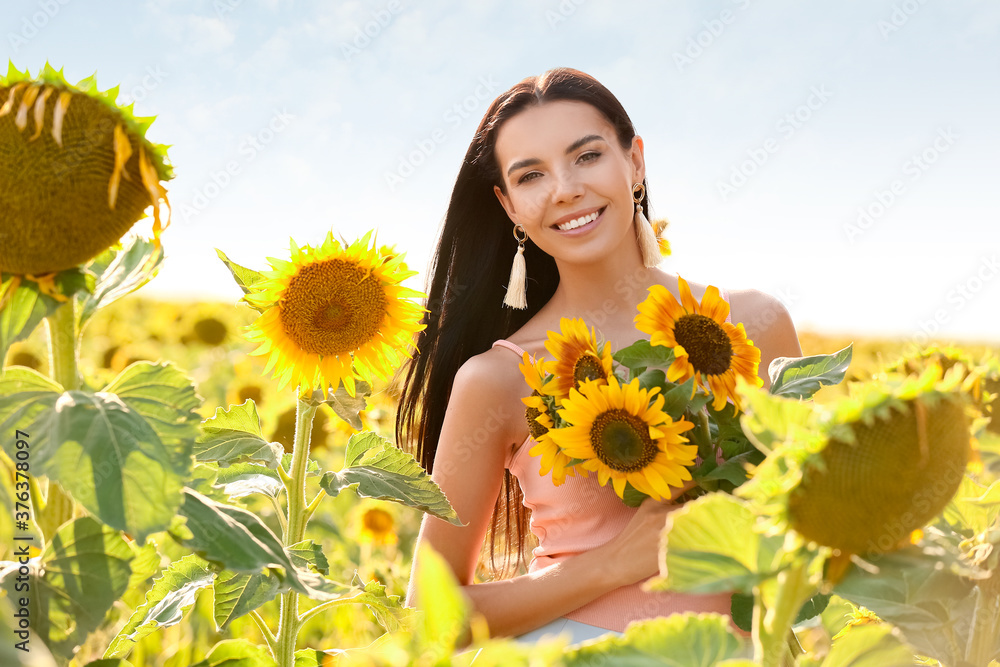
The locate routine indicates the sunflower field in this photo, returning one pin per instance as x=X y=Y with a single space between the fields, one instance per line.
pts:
x=217 y=483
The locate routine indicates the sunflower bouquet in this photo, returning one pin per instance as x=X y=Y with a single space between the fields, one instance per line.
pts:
x=656 y=416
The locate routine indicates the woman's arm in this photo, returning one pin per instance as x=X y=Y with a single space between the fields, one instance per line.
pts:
x=483 y=421
x=768 y=325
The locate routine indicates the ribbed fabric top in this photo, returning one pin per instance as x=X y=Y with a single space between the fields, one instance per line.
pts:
x=581 y=515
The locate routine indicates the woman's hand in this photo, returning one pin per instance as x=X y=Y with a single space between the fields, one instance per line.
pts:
x=635 y=553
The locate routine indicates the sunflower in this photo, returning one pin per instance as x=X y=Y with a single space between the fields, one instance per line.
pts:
x=76 y=172
x=707 y=347
x=540 y=424
x=872 y=468
x=577 y=358
x=625 y=438
x=378 y=527
x=333 y=314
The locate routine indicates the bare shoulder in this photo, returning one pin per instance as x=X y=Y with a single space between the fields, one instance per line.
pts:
x=767 y=323
x=491 y=385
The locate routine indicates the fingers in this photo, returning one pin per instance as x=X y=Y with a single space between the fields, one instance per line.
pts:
x=687 y=486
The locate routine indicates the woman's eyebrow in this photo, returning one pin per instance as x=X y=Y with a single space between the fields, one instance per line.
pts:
x=520 y=164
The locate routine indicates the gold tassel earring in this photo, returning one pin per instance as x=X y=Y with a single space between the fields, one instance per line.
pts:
x=516 y=289
x=648 y=246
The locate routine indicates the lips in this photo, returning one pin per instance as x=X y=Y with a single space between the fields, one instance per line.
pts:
x=578 y=221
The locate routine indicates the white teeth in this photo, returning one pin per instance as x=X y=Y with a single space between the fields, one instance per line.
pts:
x=579 y=222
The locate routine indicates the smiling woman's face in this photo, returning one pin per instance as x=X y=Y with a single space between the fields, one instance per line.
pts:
x=568 y=181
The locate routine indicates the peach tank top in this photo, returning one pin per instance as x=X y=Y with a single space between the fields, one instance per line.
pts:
x=582 y=515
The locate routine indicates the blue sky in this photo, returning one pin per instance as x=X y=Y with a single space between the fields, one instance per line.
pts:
x=839 y=155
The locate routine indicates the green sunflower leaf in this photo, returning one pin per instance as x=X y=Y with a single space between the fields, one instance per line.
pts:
x=245 y=278
x=238 y=540
x=171 y=595
x=119 y=272
x=25 y=394
x=237 y=593
x=709 y=546
x=111 y=460
x=82 y=571
x=678 y=398
x=234 y=436
x=25 y=310
x=242 y=479
x=641 y=355
x=237 y=653
x=680 y=640
x=347 y=407
x=801 y=377
x=377 y=469
x=870 y=646
x=445 y=609
x=925 y=601
x=166 y=398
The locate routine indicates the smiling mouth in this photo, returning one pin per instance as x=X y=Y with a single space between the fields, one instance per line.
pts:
x=580 y=222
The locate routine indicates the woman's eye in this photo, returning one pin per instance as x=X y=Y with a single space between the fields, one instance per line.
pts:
x=589 y=156
x=528 y=177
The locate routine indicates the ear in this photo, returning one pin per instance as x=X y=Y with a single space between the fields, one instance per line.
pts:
x=638 y=160
x=506 y=203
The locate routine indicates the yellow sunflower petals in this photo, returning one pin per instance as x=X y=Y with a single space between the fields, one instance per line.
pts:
x=7 y=291
x=8 y=106
x=151 y=181
x=123 y=151
x=40 y=112
x=21 y=119
x=59 y=113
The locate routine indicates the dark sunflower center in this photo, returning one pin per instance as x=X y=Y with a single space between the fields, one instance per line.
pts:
x=531 y=415
x=333 y=307
x=707 y=343
x=621 y=441
x=588 y=367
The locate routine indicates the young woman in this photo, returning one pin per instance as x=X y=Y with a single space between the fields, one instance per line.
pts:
x=556 y=162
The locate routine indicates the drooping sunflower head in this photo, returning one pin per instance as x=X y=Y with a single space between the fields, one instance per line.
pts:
x=876 y=467
x=705 y=345
x=622 y=433
x=577 y=358
x=76 y=172
x=335 y=313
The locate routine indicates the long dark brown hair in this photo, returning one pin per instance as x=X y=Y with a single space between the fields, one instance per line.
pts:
x=466 y=287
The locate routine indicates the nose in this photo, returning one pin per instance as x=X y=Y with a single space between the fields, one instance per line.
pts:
x=567 y=186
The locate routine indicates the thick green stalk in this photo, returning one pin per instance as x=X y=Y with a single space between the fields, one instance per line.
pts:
x=982 y=645
x=295 y=528
x=773 y=622
x=63 y=354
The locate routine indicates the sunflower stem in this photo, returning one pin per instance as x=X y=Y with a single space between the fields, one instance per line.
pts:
x=63 y=367
x=289 y=621
x=314 y=504
x=773 y=622
x=702 y=435
x=982 y=644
